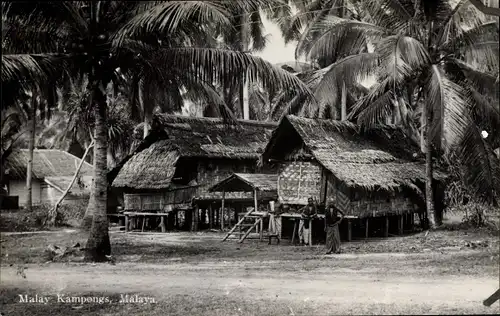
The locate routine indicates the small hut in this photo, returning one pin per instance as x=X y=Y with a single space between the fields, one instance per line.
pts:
x=52 y=171
x=261 y=186
x=375 y=174
x=182 y=157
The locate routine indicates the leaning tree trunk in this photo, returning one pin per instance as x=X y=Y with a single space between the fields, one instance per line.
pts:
x=429 y=194
x=98 y=245
x=31 y=148
x=51 y=220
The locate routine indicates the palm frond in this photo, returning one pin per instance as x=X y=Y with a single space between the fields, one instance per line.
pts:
x=448 y=105
x=325 y=34
x=483 y=82
x=468 y=38
x=346 y=71
x=402 y=57
x=215 y=65
x=482 y=165
x=167 y=17
x=486 y=115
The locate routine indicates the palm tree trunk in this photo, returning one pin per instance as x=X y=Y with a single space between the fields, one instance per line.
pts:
x=147 y=123
x=31 y=148
x=429 y=194
x=98 y=245
x=53 y=213
x=343 y=103
x=423 y=123
x=243 y=93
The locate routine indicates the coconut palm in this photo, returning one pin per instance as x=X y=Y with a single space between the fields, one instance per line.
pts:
x=306 y=26
x=104 y=40
x=425 y=55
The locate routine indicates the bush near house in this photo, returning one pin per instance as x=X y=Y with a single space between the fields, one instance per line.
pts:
x=28 y=221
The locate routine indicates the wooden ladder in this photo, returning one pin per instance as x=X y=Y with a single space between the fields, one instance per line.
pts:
x=243 y=225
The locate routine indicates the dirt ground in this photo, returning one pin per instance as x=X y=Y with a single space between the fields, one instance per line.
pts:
x=444 y=272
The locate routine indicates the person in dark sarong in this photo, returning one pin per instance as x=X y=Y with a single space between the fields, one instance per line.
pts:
x=333 y=218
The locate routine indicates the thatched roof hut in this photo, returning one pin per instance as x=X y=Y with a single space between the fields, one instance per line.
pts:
x=247 y=182
x=192 y=152
x=52 y=171
x=371 y=164
x=46 y=163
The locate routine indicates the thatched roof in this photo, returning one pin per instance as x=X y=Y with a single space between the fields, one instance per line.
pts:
x=152 y=168
x=382 y=158
x=211 y=138
x=181 y=137
x=81 y=188
x=46 y=163
x=247 y=182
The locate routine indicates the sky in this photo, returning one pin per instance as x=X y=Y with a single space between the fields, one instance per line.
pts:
x=276 y=51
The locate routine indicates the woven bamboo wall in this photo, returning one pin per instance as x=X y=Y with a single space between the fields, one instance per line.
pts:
x=158 y=201
x=212 y=172
x=299 y=180
x=365 y=207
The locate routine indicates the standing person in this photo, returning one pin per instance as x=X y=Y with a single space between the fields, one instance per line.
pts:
x=275 y=219
x=332 y=222
x=307 y=213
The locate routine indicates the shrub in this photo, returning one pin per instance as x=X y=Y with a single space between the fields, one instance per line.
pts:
x=477 y=214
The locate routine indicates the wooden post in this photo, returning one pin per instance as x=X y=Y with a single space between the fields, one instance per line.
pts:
x=349 y=230
x=162 y=224
x=261 y=228
x=256 y=208
x=196 y=214
x=400 y=224
x=366 y=227
x=386 y=227
x=126 y=223
x=222 y=210
x=216 y=216
x=294 y=231
x=210 y=216
x=310 y=231
x=176 y=221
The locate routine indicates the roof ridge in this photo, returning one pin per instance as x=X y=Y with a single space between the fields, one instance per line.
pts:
x=215 y=119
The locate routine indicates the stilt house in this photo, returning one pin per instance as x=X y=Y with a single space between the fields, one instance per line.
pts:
x=375 y=173
x=182 y=157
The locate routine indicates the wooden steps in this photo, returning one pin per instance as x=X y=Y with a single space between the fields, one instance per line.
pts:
x=245 y=228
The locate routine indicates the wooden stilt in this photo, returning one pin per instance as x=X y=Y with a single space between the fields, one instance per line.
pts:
x=366 y=228
x=126 y=223
x=400 y=224
x=386 y=226
x=196 y=214
x=222 y=211
x=261 y=229
x=294 y=231
x=162 y=224
x=349 y=230
x=210 y=216
x=310 y=232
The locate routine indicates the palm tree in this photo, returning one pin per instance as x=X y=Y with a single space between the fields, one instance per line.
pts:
x=95 y=39
x=425 y=54
x=305 y=27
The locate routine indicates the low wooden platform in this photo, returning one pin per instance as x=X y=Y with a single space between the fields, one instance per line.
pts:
x=129 y=215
